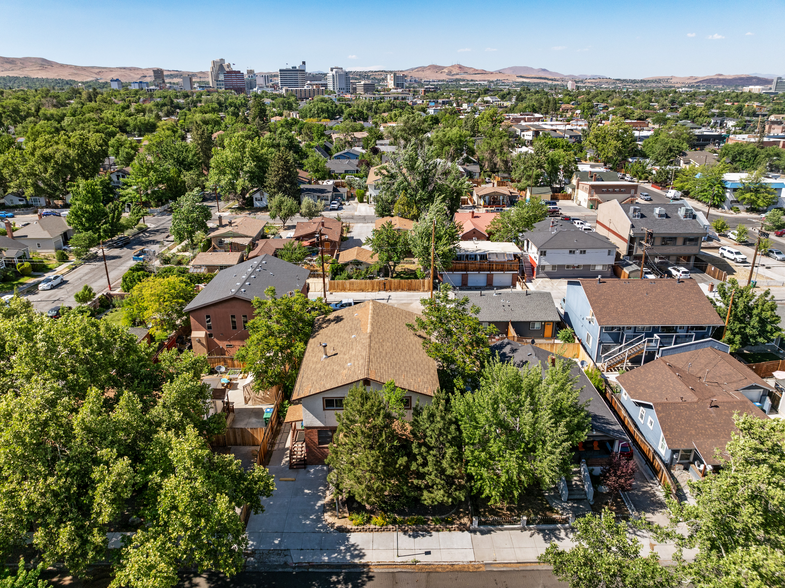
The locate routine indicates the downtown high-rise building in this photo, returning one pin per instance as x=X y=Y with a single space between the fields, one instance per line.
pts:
x=188 y=83
x=158 y=78
x=234 y=80
x=292 y=77
x=217 y=69
x=396 y=81
x=338 y=80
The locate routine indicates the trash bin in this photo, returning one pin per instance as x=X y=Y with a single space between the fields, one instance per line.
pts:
x=268 y=414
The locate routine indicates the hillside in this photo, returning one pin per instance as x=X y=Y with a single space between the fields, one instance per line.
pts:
x=38 y=67
x=714 y=80
x=446 y=72
x=525 y=70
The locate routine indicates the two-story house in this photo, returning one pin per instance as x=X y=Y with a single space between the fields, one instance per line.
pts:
x=330 y=229
x=221 y=311
x=559 y=249
x=592 y=194
x=368 y=344
x=474 y=225
x=479 y=264
x=526 y=314
x=629 y=322
x=668 y=232
x=683 y=404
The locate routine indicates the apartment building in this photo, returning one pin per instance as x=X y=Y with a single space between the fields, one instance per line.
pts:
x=292 y=77
x=338 y=80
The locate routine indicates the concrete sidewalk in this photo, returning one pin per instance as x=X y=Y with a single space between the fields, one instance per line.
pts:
x=292 y=531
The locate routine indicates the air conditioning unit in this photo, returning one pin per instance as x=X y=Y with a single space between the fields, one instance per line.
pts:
x=635 y=211
x=659 y=212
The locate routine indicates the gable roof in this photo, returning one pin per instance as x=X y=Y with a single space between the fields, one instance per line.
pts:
x=398 y=222
x=357 y=254
x=48 y=227
x=330 y=227
x=599 y=176
x=650 y=302
x=695 y=397
x=515 y=306
x=483 y=190
x=376 y=173
x=672 y=223
x=366 y=341
x=474 y=220
x=217 y=258
x=249 y=280
x=317 y=191
x=558 y=234
x=342 y=166
x=245 y=226
x=602 y=418
x=268 y=247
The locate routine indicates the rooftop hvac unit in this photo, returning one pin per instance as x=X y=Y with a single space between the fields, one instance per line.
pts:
x=659 y=212
x=635 y=211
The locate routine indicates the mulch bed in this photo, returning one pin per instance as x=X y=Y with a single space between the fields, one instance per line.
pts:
x=603 y=500
x=531 y=504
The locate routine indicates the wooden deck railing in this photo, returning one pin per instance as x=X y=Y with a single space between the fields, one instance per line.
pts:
x=484 y=266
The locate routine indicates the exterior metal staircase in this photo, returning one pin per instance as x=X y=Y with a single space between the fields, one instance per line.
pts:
x=297 y=456
x=623 y=353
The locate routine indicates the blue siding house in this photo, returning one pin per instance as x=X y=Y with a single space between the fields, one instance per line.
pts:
x=683 y=404
x=629 y=322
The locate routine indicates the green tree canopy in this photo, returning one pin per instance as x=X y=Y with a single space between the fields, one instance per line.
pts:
x=282 y=175
x=613 y=142
x=159 y=302
x=282 y=207
x=666 y=143
x=755 y=193
x=447 y=237
x=390 y=246
x=189 y=217
x=753 y=319
x=510 y=224
x=311 y=208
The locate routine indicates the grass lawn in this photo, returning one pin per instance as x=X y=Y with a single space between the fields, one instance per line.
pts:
x=115 y=317
x=20 y=281
x=757 y=356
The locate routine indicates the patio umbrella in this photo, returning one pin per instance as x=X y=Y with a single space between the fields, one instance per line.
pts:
x=780 y=375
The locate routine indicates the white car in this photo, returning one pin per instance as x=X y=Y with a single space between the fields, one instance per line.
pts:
x=776 y=254
x=579 y=223
x=648 y=274
x=7 y=298
x=645 y=197
x=334 y=205
x=50 y=282
x=733 y=254
x=734 y=236
x=678 y=271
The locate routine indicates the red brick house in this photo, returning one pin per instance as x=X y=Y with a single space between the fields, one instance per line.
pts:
x=331 y=230
x=221 y=311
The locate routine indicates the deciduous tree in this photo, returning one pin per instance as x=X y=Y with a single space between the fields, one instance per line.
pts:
x=448 y=236
x=159 y=302
x=311 y=208
x=282 y=207
x=510 y=225
x=189 y=217
x=753 y=319
x=613 y=142
x=390 y=246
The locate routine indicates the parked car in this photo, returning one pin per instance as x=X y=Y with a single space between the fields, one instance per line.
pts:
x=586 y=228
x=779 y=233
x=648 y=274
x=733 y=254
x=734 y=236
x=50 y=213
x=50 y=282
x=334 y=205
x=579 y=223
x=342 y=304
x=57 y=311
x=120 y=241
x=645 y=197
x=678 y=271
x=7 y=298
x=776 y=254
x=554 y=211
x=6 y=214
x=564 y=217
x=551 y=203
x=625 y=450
x=673 y=194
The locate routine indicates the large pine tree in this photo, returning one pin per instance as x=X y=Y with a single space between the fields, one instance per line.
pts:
x=282 y=176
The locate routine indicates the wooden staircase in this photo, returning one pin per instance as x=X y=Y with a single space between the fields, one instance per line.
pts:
x=297 y=456
x=623 y=355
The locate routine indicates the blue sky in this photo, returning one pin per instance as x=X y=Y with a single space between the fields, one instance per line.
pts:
x=614 y=38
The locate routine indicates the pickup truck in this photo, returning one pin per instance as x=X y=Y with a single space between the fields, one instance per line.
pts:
x=140 y=255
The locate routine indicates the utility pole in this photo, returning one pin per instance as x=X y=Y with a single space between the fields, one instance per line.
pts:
x=217 y=203
x=321 y=255
x=755 y=255
x=727 y=317
x=106 y=268
x=433 y=252
x=643 y=259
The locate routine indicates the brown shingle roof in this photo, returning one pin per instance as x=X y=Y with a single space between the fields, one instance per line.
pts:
x=366 y=341
x=483 y=190
x=376 y=173
x=218 y=258
x=398 y=222
x=245 y=226
x=474 y=220
x=695 y=395
x=357 y=254
x=650 y=302
x=331 y=228
x=268 y=247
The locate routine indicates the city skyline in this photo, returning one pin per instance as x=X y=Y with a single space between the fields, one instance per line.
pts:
x=613 y=39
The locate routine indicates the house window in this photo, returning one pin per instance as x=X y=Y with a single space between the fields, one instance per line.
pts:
x=245 y=321
x=573 y=267
x=536 y=326
x=208 y=322
x=624 y=395
x=324 y=437
x=663 y=446
x=642 y=329
x=641 y=414
x=543 y=253
x=407 y=402
x=696 y=329
x=650 y=422
x=38 y=245
x=691 y=240
x=668 y=240
x=598 y=268
x=588 y=338
x=610 y=251
x=209 y=335
x=234 y=322
x=333 y=403
x=582 y=252
x=572 y=251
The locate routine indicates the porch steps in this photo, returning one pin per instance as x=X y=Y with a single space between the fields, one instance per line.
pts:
x=575 y=486
x=526 y=268
x=297 y=456
x=623 y=356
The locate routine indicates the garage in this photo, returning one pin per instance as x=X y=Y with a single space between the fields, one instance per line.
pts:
x=502 y=280
x=477 y=280
x=453 y=279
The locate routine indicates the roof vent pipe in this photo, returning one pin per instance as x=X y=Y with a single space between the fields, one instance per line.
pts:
x=324 y=350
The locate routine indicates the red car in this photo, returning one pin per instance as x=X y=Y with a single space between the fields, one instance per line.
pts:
x=780 y=233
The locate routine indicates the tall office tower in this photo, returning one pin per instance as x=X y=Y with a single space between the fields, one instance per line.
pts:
x=188 y=83
x=158 y=78
x=250 y=80
x=234 y=80
x=292 y=77
x=396 y=80
x=263 y=80
x=216 y=69
x=571 y=85
x=116 y=84
x=778 y=85
x=338 y=80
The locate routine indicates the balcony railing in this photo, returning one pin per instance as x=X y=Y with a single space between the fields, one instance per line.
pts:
x=484 y=266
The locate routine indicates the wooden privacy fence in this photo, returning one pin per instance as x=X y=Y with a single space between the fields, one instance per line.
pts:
x=224 y=360
x=268 y=440
x=662 y=472
x=766 y=368
x=239 y=437
x=378 y=285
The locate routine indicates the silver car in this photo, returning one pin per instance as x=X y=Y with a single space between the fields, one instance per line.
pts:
x=776 y=254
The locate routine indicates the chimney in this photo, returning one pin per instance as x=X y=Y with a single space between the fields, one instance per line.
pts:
x=599 y=279
x=324 y=350
x=9 y=229
x=220 y=220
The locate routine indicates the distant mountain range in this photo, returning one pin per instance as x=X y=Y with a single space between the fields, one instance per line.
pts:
x=38 y=67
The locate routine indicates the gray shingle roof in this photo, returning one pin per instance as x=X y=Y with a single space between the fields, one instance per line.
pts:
x=515 y=306
x=602 y=176
x=342 y=166
x=565 y=235
x=249 y=280
x=602 y=418
x=671 y=224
